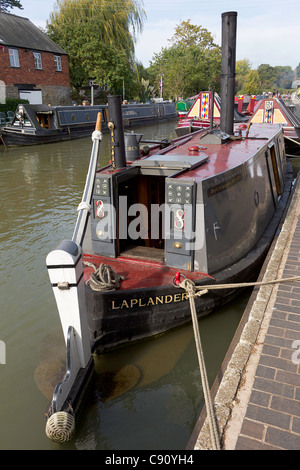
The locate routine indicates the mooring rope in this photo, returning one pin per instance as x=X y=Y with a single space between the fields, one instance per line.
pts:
x=191 y=290
x=241 y=284
x=189 y=286
x=103 y=278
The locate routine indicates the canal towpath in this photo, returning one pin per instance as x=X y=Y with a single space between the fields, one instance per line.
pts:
x=257 y=391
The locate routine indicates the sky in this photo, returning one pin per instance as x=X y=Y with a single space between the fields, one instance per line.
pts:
x=268 y=31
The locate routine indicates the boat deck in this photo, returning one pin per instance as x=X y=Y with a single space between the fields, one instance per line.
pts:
x=139 y=275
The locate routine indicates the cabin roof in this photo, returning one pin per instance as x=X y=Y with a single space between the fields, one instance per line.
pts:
x=229 y=155
x=201 y=109
x=277 y=104
x=17 y=31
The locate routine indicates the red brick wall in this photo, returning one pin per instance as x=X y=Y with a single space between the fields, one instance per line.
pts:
x=28 y=74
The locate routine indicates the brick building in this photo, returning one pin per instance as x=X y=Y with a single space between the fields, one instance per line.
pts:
x=32 y=66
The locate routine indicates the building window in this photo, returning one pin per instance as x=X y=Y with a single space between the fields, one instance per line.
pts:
x=37 y=57
x=57 y=63
x=14 y=58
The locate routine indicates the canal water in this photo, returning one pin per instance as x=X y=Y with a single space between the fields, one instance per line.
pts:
x=150 y=395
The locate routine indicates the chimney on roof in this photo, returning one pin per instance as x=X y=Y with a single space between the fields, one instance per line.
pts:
x=229 y=21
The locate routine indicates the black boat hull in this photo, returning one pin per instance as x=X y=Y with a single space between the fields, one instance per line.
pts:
x=82 y=124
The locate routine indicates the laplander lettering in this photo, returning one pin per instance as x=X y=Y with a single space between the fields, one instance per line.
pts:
x=147 y=302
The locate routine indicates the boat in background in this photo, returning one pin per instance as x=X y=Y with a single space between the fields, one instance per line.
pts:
x=275 y=111
x=183 y=106
x=205 y=208
x=245 y=104
x=41 y=124
x=205 y=114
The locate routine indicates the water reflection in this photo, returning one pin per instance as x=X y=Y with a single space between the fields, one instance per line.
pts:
x=149 y=396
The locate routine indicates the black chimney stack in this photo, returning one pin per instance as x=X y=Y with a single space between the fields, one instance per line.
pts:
x=229 y=21
x=116 y=130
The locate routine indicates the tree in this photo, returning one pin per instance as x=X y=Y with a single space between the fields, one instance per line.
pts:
x=187 y=34
x=96 y=35
x=285 y=76
x=252 y=83
x=191 y=64
x=268 y=77
x=6 y=5
x=242 y=69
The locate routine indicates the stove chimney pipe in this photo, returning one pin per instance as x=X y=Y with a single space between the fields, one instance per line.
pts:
x=229 y=21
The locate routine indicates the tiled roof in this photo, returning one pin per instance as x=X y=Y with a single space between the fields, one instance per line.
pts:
x=18 y=31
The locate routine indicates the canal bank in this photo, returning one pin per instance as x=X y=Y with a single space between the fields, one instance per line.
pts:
x=257 y=391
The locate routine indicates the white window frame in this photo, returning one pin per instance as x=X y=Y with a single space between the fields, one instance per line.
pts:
x=37 y=57
x=57 y=63
x=14 y=58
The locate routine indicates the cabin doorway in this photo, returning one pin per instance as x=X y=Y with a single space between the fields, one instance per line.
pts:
x=44 y=119
x=141 y=224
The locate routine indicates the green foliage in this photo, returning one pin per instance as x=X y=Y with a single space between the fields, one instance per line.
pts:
x=252 y=83
x=11 y=104
x=285 y=76
x=6 y=5
x=187 y=35
x=273 y=78
x=265 y=78
x=242 y=69
x=96 y=35
x=99 y=38
x=191 y=64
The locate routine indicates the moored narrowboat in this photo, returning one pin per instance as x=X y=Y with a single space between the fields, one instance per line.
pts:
x=205 y=208
x=205 y=114
x=41 y=124
x=275 y=111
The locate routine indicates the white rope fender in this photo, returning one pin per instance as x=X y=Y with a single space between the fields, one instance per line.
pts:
x=60 y=426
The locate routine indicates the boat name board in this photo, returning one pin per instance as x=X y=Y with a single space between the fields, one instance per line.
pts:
x=148 y=301
x=224 y=185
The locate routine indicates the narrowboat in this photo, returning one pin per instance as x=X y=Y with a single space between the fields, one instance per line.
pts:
x=41 y=124
x=245 y=104
x=204 y=208
x=205 y=113
x=183 y=106
x=275 y=111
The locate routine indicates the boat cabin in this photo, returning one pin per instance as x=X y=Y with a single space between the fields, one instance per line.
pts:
x=55 y=117
x=157 y=207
